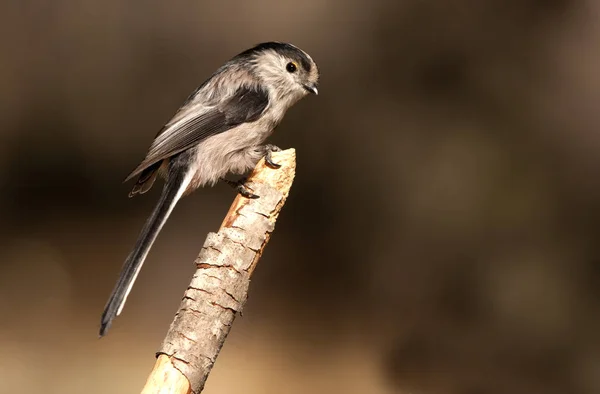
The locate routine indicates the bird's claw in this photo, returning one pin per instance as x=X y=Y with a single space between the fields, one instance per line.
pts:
x=269 y=149
x=244 y=191
x=241 y=188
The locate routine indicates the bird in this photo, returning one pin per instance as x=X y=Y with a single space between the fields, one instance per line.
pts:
x=220 y=129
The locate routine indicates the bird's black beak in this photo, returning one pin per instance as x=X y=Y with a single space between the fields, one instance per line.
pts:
x=312 y=88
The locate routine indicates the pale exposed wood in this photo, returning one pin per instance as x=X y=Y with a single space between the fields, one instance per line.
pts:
x=166 y=379
x=219 y=287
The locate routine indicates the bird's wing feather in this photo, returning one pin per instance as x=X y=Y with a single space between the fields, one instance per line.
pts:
x=200 y=122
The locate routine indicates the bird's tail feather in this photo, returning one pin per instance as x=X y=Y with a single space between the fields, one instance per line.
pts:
x=145 y=180
x=174 y=188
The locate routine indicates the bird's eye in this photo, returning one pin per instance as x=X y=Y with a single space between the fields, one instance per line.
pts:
x=291 y=67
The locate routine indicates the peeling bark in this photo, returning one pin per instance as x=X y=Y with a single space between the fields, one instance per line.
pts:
x=219 y=288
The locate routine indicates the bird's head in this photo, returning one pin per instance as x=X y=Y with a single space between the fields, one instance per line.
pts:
x=285 y=70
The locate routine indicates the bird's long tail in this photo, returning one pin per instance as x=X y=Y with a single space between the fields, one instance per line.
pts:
x=174 y=188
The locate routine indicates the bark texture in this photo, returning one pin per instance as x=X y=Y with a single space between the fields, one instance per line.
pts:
x=219 y=287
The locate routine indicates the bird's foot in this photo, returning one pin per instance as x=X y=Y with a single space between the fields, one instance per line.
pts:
x=240 y=187
x=269 y=149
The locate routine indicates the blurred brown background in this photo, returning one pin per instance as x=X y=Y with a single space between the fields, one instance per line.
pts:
x=441 y=236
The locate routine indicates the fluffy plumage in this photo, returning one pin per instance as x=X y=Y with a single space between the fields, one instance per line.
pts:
x=219 y=129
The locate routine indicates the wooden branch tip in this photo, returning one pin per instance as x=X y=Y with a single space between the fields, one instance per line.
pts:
x=219 y=287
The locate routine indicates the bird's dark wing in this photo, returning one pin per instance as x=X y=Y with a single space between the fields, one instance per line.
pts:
x=201 y=122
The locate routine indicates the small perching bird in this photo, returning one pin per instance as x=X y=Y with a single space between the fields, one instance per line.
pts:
x=219 y=129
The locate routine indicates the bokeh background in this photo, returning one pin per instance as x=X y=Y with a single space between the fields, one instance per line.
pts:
x=442 y=234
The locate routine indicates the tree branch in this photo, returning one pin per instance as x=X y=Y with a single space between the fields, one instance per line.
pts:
x=219 y=287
